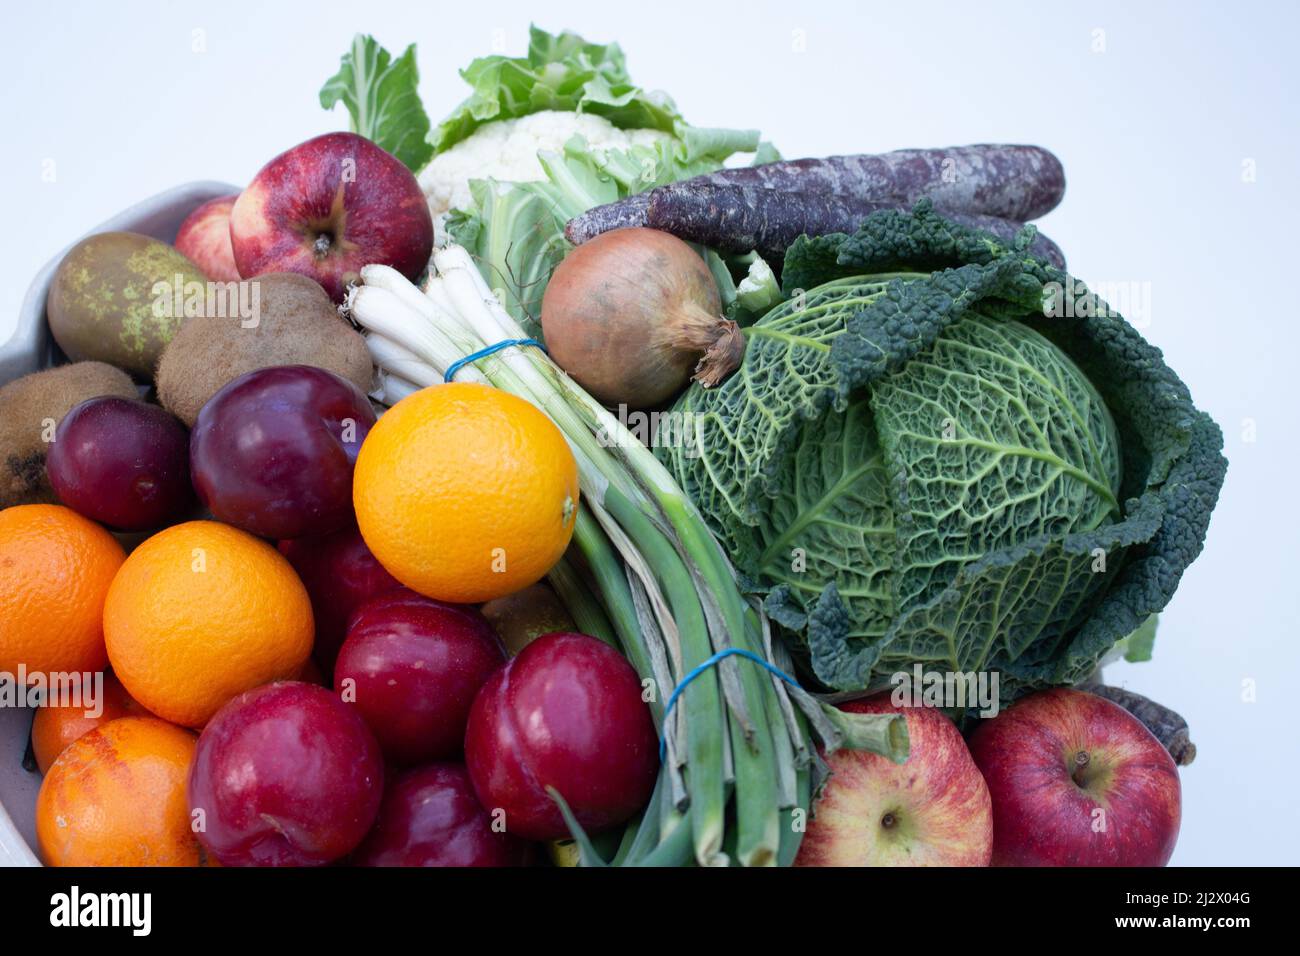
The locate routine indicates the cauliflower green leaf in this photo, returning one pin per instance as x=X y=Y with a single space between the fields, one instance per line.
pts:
x=560 y=72
x=380 y=94
x=515 y=230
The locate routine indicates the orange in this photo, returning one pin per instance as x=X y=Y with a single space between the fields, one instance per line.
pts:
x=202 y=612
x=55 y=568
x=465 y=493
x=59 y=723
x=116 y=797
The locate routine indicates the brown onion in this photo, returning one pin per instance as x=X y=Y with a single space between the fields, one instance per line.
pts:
x=634 y=314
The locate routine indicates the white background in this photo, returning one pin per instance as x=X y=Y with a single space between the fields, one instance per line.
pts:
x=1154 y=132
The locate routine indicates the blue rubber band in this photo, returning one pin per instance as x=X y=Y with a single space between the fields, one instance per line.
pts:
x=459 y=364
x=700 y=669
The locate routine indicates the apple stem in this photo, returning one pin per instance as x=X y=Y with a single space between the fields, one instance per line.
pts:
x=1081 y=761
x=1167 y=725
x=888 y=821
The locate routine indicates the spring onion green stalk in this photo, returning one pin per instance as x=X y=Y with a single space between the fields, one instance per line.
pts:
x=737 y=744
x=587 y=614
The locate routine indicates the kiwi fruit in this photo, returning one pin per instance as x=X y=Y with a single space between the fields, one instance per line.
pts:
x=31 y=408
x=296 y=324
x=101 y=304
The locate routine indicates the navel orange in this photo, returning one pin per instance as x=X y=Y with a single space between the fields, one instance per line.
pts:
x=466 y=493
x=55 y=570
x=201 y=612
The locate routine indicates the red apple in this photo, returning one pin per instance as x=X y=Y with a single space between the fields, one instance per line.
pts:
x=932 y=810
x=565 y=713
x=285 y=775
x=1077 y=780
x=411 y=666
x=326 y=208
x=431 y=817
x=340 y=575
x=204 y=236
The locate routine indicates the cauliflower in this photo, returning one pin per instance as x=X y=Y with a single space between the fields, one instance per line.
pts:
x=506 y=150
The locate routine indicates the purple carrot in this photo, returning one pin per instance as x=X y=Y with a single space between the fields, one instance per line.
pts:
x=736 y=219
x=1011 y=182
x=1007 y=181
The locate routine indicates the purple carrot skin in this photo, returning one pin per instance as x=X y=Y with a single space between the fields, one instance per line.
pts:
x=1011 y=182
x=1007 y=181
x=627 y=213
x=737 y=219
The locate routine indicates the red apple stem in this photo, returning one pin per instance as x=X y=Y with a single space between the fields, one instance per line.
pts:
x=1081 y=761
x=1168 y=726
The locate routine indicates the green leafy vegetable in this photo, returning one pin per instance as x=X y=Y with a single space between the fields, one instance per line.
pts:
x=759 y=290
x=1139 y=645
x=560 y=72
x=916 y=464
x=380 y=95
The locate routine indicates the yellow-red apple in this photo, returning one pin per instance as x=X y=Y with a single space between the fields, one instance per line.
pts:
x=204 y=236
x=932 y=810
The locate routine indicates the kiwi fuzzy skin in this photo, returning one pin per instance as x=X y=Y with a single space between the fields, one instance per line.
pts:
x=27 y=407
x=297 y=325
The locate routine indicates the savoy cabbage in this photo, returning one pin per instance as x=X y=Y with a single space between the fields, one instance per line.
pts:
x=916 y=463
